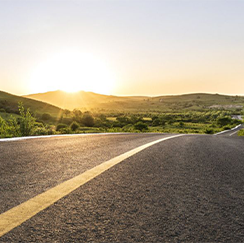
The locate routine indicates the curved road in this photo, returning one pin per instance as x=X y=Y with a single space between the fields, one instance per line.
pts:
x=184 y=189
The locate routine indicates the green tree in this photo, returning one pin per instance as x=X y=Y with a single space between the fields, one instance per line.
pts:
x=26 y=121
x=67 y=112
x=88 y=120
x=74 y=126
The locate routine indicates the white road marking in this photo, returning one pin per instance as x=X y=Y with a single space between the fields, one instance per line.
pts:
x=228 y=130
x=52 y=136
x=19 y=214
x=233 y=133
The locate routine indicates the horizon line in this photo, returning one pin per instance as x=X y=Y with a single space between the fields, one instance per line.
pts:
x=124 y=95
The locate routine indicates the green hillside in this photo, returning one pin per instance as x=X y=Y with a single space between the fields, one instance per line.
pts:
x=9 y=104
x=85 y=100
x=92 y=101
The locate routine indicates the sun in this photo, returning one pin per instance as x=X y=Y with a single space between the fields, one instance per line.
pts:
x=71 y=72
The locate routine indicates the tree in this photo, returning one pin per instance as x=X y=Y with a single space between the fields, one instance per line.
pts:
x=88 y=120
x=74 y=126
x=77 y=115
x=67 y=112
x=26 y=121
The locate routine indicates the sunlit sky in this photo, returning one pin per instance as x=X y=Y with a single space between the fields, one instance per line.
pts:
x=122 y=47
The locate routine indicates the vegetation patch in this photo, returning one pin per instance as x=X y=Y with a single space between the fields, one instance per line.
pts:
x=183 y=118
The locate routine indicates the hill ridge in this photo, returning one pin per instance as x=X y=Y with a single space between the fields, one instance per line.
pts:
x=89 y=100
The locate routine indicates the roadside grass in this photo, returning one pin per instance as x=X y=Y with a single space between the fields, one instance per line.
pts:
x=48 y=120
x=241 y=132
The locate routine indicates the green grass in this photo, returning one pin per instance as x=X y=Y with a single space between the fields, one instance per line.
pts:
x=7 y=116
x=9 y=103
x=136 y=104
x=241 y=132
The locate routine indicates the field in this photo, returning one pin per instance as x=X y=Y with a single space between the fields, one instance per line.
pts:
x=192 y=113
x=140 y=104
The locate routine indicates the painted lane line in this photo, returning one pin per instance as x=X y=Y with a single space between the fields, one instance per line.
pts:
x=233 y=133
x=19 y=214
x=228 y=130
x=58 y=135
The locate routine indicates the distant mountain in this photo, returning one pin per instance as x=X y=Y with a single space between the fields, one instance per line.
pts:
x=88 y=101
x=9 y=104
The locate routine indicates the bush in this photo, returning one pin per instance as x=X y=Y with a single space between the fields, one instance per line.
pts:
x=156 y=122
x=60 y=126
x=74 y=126
x=128 y=128
x=226 y=128
x=65 y=130
x=209 y=131
x=223 y=121
x=26 y=121
x=181 y=124
x=140 y=126
x=241 y=132
x=40 y=131
x=3 y=127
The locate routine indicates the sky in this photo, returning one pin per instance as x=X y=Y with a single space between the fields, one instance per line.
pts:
x=122 y=47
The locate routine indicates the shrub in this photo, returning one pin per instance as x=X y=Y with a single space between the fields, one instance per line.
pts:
x=141 y=126
x=226 y=128
x=209 y=131
x=14 y=128
x=128 y=128
x=181 y=124
x=88 y=120
x=74 y=126
x=3 y=127
x=40 y=131
x=156 y=122
x=26 y=121
x=60 y=126
x=223 y=121
x=241 y=132
x=65 y=130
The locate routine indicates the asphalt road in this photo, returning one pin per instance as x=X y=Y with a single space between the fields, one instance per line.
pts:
x=231 y=132
x=185 y=189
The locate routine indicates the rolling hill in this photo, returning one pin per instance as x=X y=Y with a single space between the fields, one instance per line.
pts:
x=9 y=104
x=89 y=101
x=85 y=100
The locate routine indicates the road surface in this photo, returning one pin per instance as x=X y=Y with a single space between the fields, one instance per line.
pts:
x=184 y=189
x=232 y=132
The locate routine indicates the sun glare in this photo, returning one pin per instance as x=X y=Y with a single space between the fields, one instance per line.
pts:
x=72 y=72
